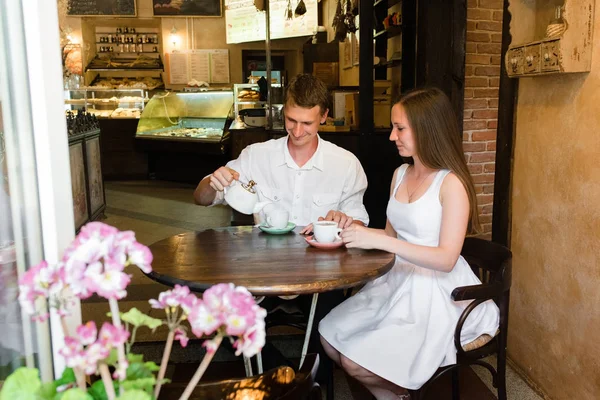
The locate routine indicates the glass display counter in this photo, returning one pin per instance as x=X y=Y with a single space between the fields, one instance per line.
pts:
x=195 y=117
x=107 y=103
x=247 y=96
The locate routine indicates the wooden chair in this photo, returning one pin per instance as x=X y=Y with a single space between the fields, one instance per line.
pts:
x=491 y=262
x=280 y=383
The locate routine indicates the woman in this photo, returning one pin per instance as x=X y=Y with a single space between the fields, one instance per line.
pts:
x=398 y=330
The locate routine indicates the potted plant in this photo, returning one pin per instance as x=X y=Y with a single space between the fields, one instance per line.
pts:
x=96 y=263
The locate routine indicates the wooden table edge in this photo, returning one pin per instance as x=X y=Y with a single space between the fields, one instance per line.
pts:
x=280 y=290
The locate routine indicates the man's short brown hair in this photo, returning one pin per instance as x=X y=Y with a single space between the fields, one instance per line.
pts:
x=307 y=91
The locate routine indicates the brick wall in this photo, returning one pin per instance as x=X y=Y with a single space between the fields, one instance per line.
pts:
x=482 y=72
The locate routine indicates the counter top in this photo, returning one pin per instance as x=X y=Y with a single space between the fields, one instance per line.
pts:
x=240 y=127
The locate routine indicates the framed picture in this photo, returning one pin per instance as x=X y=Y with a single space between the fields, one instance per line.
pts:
x=94 y=169
x=78 y=184
x=355 y=49
x=347 y=53
x=100 y=8
x=187 y=8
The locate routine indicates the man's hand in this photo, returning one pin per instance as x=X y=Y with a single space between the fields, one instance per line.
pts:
x=307 y=230
x=342 y=219
x=222 y=178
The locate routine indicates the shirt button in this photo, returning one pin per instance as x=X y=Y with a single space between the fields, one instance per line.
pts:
x=275 y=197
x=299 y=173
x=295 y=217
x=297 y=196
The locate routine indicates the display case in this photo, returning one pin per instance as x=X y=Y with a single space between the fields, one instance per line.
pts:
x=247 y=97
x=195 y=117
x=107 y=103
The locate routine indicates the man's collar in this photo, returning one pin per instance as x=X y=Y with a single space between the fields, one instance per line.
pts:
x=284 y=157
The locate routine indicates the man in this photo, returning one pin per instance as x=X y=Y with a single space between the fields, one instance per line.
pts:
x=305 y=175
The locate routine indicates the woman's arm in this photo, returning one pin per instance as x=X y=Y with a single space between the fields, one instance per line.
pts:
x=389 y=230
x=455 y=216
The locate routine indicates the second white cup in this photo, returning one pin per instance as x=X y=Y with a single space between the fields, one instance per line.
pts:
x=277 y=219
x=326 y=231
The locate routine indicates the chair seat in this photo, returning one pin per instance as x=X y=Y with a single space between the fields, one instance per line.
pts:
x=481 y=341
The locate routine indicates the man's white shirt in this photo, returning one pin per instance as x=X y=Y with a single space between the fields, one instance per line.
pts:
x=333 y=179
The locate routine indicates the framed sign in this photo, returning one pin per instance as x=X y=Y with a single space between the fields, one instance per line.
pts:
x=78 y=184
x=94 y=168
x=187 y=8
x=355 y=49
x=347 y=53
x=99 y=8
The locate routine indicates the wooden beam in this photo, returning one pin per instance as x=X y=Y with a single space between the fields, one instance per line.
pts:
x=501 y=219
x=365 y=75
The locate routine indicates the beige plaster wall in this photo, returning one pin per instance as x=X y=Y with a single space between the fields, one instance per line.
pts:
x=555 y=307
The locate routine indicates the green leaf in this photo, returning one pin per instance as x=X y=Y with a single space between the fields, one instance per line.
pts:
x=137 y=318
x=145 y=384
x=151 y=365
x=137 y=371
x=21 y=385
x=68 y=376
x=112 y=358
x=75 y=394
x=135 y=358
x=98 y=391
x=135 y=395
x=47 y=391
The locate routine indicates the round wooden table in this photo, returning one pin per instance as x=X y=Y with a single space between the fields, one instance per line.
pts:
x=269 y=265
x=265 y=264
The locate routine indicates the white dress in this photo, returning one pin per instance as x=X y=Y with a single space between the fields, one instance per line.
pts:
x=401 y=325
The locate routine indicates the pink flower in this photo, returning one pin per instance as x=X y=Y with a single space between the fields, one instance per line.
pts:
x=87 y=333
x=112 y=335
x=107 y=282
x=253 y=340
x=180 y=296
x=211 y=346
x=214 y=297
x=121 y=370
x=41 y=281
x=88 y=347
x=141 y=256
x=181 y=336
x=234 y=311
x=203 y=321
x=93 y=354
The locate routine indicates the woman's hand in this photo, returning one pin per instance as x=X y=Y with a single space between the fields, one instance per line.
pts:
x=360 y=236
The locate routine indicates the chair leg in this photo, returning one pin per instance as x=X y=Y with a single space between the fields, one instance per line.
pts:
x=501 y=378
x=455 y=384
x=329 y=383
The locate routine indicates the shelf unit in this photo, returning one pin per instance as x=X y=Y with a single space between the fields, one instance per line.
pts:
x=148 y=40
x=386 y=40
x=428 y=49
x=533 y=53
x=240 y=104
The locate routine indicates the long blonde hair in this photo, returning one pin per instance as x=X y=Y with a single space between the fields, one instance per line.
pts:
x=438 y=140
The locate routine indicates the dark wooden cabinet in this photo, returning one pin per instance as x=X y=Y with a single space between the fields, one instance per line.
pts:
x=87 y=184
x=433 y=36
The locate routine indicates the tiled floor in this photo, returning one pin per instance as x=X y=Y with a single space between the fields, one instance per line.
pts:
x=156 y=210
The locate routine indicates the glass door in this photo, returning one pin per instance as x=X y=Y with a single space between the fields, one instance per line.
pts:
x=36 y=218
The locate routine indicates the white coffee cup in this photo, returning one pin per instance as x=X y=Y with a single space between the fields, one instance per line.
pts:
x=326 y=231
x=277 y=219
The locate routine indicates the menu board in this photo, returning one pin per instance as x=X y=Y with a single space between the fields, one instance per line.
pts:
x=101 y=7
x=211 y=66
x=244 y=23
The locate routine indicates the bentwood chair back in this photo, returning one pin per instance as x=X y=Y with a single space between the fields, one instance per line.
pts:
x=492 y=263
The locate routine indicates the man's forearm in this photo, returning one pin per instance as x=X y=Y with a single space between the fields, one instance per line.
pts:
x=204 y=193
